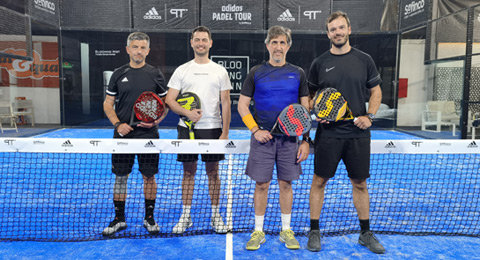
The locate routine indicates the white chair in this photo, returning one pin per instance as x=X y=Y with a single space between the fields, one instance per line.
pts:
x=6 y=111
x=439 y=113
x=24 y=108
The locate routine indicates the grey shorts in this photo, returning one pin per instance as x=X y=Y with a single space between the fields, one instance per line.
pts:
x=282 y=151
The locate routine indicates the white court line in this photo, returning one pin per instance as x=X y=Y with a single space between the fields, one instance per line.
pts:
x=229 y=237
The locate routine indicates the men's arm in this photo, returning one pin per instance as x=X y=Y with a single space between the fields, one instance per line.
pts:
x=122 y=128
x=364 y=122
x=375 y=99
x=226 y=113
x=304 y=148
x=109 y=110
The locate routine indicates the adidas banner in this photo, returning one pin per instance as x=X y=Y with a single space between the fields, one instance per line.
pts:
x=299 y=14
x=163 y=14
x=233 y=14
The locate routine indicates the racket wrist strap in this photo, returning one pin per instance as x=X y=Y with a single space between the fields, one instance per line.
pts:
x=249 y=121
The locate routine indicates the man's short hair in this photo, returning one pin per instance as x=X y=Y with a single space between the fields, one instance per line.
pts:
x=201 y=29
x=336 y=15
x=276 y=31
x=138 y=36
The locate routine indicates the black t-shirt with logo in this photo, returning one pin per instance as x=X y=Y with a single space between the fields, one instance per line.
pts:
x=353 y=74
x=127 y=83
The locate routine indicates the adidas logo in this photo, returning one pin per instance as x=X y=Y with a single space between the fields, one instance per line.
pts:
x=125 y=79
x=150 y=144
x=152 y=15
x=390 y=145
x=67 y=144
x=472 y=145
x=230 y=145
x=286 y=17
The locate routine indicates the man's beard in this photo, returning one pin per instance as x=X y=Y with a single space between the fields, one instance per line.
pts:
x=340 y=45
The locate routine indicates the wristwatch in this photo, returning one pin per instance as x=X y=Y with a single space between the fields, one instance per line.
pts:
x=307 y=139
x=371 y=116
x=117 y=124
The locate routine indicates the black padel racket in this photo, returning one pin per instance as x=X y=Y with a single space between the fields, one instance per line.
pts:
x=294 y=120
x=147 y=108
x=330 y=105
x=189 y=101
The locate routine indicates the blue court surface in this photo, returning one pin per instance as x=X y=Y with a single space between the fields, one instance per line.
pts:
x=232 y=246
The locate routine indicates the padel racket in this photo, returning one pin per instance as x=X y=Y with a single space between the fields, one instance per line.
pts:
x=294 y=120
x=330 y=105
x=189 y=101
x=147 y=108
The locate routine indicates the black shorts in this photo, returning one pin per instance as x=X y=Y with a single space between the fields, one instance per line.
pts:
x=200 y=134
x=355 y=153
x=122 y=164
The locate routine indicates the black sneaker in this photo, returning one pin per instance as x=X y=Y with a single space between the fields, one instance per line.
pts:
x=368 y=240
x=314 y=242
x=151 y=226
x=115 y=226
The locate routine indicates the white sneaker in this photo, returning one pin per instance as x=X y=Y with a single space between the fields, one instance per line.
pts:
x=151 y=226
x=182 y=225
x=218 y=225
x=114 y=226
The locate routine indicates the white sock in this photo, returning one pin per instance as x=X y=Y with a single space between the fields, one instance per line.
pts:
x=186 y=211
x=215 y=211
x=286 y=221
x=259 y=222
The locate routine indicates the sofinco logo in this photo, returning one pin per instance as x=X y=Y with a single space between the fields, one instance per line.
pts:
x=414 y=6
x=152 y=14
x=203 y=144
x=45 y=4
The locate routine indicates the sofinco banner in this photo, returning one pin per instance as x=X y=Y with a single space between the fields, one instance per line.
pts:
x=413 y=12
x=299 y=14
x=157 y=14
x=233 y=14
x=46 y=11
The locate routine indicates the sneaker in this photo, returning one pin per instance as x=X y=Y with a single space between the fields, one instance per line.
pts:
x=115 y=226
x=151 y=225
x=371 y=242
x=256 y=239
x=288 y=237
x=218 y=225
x=314 y=242
x=182 y=225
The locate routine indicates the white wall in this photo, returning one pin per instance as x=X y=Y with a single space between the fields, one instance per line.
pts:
x=45 y=100
x=410 y=109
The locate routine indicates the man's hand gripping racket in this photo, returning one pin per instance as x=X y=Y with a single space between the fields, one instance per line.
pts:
x=294 y=120
x=148 y=110
x=330 y=106
x=190 y=101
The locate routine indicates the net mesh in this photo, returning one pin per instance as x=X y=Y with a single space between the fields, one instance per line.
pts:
x=62 y=189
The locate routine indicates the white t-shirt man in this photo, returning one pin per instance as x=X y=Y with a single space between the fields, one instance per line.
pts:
x=207 y=81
